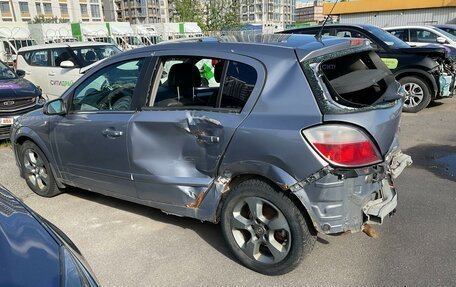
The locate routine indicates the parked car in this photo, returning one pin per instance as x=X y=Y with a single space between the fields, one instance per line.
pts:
x=17 y=96
x=416 y=35
x=449 y=28
x=298 y=137
x=55 y=67
x=34 y=252
x=426 y=74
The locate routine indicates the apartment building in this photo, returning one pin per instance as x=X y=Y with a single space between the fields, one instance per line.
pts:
x=309 y=12
x=71 y=10
x=142 y=11
x=266 y=12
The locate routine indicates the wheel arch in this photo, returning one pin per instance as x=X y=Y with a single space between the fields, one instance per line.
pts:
x=422 y=75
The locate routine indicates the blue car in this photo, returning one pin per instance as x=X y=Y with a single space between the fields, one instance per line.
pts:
x=17 y=97
x=33 y=252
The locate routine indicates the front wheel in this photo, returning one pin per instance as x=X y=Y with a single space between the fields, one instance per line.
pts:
x=264 y=229
x=417 y=94
x=37 y=171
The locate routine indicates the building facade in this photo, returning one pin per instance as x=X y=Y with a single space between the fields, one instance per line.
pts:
x=309 y=12
x=142 y=11
x=70 y=10
x=266 y=12
x=389 y=13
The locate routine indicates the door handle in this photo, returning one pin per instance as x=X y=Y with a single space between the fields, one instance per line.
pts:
x=111 y=133
x=51 y=74
x=207 y=139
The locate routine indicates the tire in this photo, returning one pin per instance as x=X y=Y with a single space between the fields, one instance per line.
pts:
x=273 y=242
x=417 y=94
x=37 y=171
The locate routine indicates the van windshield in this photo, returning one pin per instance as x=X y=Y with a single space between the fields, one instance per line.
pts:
x=91 y=54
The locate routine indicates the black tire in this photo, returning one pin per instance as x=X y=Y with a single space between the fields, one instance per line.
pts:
x=294 y=237
x=418 y=94
x=37 y=171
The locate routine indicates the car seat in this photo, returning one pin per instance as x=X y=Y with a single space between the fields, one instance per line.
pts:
x=183 y=78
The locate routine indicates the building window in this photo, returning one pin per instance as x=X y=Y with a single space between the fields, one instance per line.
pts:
x=23 y=6
x=84 y=9
x=95 y=10
x=38 y=8
x=63 y=9
x=47 y=8
x=4 y=7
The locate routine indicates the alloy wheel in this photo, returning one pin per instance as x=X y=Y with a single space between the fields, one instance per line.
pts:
x=414 y=94
x=35 y=170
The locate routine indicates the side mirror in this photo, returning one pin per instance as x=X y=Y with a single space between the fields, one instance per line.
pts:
x=20 y=73
x=441 y=40
x=54 y=107
x=67 y=64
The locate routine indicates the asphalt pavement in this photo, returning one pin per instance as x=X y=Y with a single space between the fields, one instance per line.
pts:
x=128 y=244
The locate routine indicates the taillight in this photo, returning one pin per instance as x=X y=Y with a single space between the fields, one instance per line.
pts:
x=343 y=145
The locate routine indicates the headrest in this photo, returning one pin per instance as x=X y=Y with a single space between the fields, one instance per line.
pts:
x=218 y=70
x=184 y=75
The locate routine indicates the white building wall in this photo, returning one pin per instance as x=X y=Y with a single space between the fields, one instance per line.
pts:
x=402 y=17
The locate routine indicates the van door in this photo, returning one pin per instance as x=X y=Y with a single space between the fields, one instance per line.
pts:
x=36 y=66
x=60 y=79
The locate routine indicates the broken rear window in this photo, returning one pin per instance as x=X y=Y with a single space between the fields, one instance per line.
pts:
x=359 y=80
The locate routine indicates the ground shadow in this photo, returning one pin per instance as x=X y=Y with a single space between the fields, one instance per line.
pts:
x=434 y=104
x=438 y=159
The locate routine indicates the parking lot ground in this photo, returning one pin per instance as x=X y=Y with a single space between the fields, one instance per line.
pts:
x=131 y=245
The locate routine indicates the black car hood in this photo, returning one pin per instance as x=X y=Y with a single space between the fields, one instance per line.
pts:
x=17 y=88
x=29 y=254
x=431 y=51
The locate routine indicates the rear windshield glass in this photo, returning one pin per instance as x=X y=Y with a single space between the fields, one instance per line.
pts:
x=358 y=80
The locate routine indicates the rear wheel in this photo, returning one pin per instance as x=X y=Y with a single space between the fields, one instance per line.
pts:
x=264 y=229
x=417 y=94
x=37 y=171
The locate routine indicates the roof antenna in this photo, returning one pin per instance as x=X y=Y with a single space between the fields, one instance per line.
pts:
x=318 y=35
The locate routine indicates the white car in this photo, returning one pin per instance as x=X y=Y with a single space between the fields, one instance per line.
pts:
x=417 y=36
x=55 y=67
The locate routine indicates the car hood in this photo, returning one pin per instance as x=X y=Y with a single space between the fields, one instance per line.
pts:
x=17 y=88
x=30 y=255
x=431 y=51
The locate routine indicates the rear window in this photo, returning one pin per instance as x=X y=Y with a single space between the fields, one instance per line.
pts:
x=358 y=80
x=355 y=80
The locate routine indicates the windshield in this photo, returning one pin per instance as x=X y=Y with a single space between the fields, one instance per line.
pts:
x=6 y=73
x=445 y=33
x=89 y=55
x=386 y=37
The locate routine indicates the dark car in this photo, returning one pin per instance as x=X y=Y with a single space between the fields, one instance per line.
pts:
x=423 y=72
x=34 y=252
x=449 y=28
x=287 y=136
x=17 y=96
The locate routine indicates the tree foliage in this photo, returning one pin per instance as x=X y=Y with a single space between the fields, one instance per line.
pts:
x=39 y=19
x=211 y=15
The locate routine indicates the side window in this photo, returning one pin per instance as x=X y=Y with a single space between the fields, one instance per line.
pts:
x=110 y=89
x=423 y=36
x=60 y=55
x=38 y=58
x=203 y=82
x=401 y=34
x=238 y=85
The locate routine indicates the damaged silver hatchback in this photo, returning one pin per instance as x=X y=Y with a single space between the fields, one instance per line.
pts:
x=277 y=138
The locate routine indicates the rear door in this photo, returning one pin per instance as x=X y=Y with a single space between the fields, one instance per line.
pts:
x=36 y=65
x=196 y=103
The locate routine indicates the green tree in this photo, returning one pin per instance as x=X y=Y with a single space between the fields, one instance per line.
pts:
x=219 y=14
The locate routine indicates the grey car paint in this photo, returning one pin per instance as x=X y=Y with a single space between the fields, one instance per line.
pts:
x=183 y=161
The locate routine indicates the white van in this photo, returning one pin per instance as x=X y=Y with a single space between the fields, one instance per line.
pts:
x=55 y=67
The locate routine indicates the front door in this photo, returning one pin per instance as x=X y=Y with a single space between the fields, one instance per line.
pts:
x=178 y=139
x=91 y=140
x=60 y=78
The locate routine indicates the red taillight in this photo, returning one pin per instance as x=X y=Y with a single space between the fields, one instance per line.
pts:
x=343 y=145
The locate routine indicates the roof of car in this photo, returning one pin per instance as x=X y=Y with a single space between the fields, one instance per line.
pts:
x=63 y=45
x=409 y=26
x=305 y=43
x=445 y=26
x=361 y=26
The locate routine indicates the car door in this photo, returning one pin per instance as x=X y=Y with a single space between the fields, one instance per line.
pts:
x=36 y=65
x=90 y=141
x=422 y=37
x=177 y=140
x=60 y=78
